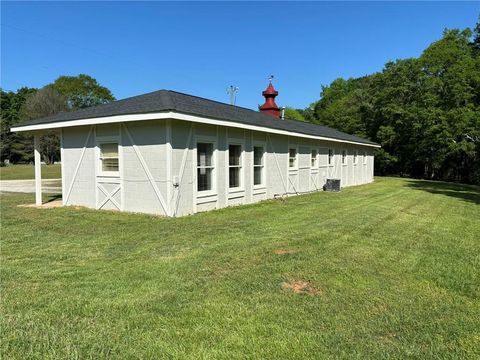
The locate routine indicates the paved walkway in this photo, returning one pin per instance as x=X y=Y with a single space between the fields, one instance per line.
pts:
x=28 y=186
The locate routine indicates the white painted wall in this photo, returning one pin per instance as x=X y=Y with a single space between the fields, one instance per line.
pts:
x=79 y=166
x=158 y=167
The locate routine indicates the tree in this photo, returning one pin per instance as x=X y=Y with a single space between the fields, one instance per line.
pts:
x=476 y=36
x=14 y=147
x=425 y=112
x=308 y=113
x=342 y=104
x=43 y=103
x=293 y=114
x=65 y=94
x=82 y=91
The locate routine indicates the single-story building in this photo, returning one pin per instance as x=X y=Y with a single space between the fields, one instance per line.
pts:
x=174 y=154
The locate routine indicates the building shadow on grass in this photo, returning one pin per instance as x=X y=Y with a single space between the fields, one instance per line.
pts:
x=470 y=193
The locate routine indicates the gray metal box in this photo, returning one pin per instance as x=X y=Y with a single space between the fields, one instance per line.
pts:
x=332 y=185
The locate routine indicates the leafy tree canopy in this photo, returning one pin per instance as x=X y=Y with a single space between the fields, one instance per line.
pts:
x=294 y=114
x=425 y=112
x=476 y=36
x=82 y=91
x=64 y=94
x=14 y=147
x=45 y=102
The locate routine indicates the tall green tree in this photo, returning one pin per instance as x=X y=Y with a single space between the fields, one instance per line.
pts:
x=14 y=147
x=46 y=102
x=293 y=114
x=82 y=91
x=64 y=94
x=342 y=104
x=425 y=112
x=309 y=112
x=476 y=36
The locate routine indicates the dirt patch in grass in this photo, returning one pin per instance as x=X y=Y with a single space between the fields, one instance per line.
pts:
x=301 y=287
x=284 y=251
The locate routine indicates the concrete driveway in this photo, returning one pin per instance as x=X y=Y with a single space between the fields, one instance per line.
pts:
x=28 y=186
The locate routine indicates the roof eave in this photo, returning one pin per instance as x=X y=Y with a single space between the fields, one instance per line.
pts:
x=177 y=116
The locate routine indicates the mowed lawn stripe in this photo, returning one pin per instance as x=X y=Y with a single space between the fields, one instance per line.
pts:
x=391 y=269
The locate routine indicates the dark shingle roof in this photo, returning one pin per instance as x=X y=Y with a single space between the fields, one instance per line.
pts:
x=167 y=100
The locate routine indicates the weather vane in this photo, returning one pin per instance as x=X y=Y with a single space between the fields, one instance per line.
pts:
x=270 y=78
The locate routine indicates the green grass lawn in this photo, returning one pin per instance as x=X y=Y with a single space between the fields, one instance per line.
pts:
x=25 y=172
x=386 y=270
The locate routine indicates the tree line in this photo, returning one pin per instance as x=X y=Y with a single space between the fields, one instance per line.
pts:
x=67 y=93
x=425 y=111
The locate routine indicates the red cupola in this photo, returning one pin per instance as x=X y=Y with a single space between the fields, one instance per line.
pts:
x=270 y=107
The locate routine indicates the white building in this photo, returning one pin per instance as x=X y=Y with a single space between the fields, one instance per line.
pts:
x=174 y=154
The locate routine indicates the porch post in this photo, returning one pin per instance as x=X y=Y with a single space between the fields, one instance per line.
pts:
x=38 y=170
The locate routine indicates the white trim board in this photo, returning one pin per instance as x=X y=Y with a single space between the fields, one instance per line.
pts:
x=176 y=116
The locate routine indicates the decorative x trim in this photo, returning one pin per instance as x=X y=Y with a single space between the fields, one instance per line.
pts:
x=109 y=196
x=314 y=181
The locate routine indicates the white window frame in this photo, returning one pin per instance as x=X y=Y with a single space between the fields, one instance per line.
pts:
x=295 y=167
x=333 y=157
x=365 y=158
x=355 y=157
x=315 y=161
x=241 y=187
x=263 y=184
x=342 y=157
x=213 y=141
x=107 y=140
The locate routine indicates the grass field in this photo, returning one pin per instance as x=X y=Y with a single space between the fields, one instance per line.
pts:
x=386 y=270
x=25 y=172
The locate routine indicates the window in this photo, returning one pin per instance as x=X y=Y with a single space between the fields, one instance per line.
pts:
x=234 y=165
x=330 y=156
x=258 y=165
x=292 y=158
x=344 y=157
x=204 y=166
x=355 y=157
x=313 y=161
x=364 y=157
x=109 y=157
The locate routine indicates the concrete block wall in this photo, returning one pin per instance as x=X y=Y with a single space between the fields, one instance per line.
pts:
x=78 y=185
x=146 y=184
x=158 y=171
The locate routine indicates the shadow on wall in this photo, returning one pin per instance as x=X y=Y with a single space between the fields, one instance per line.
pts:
x=470 y=193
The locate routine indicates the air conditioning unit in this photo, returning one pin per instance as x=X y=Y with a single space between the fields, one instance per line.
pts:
x=332 y=185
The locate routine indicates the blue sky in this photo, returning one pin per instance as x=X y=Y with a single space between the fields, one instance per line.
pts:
x=201 y=48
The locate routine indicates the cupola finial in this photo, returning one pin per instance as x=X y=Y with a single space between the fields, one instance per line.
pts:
x=270 y=107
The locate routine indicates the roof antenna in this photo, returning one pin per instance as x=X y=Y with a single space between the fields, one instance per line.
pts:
x=232 y=91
